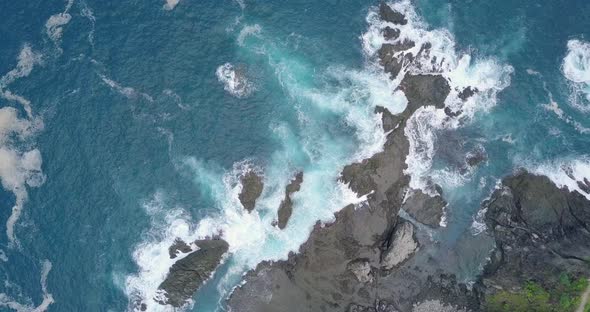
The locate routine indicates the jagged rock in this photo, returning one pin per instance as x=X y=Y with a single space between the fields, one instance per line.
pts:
x=388 y=120
x=424 y=208
x=286 y=207
x=361 y=268
x=475 y=157
x=178 y=246
x=390 y=33
x=541 y=232
x=189 y=273
x=425 y=90
x=251 y=189
x=584 y=185
x=435 y=306
x=390 y=60
x=467 y=93
x=402 y=246
x=390 y=15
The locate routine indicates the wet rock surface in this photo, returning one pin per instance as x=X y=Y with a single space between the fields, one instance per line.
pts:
x=251 y=189
x=541 y=232
x=179 y=246
x=189 y=273
x=424 y=208
x=286 y=207
x=370 y=259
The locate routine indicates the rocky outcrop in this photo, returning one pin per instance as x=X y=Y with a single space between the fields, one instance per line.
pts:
x=189 y=273
x=179 y=246
x=355 y=263
x=390 y=15
x=402 y=246
x=424 y=208
x=286 y=207
x=541 y=232
x=251 y=189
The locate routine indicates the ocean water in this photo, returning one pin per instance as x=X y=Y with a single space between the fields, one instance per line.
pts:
x=124 y=125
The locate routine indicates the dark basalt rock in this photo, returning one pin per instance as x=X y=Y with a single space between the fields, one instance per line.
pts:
x=390 y=33
x=390 y=15
x=178 y=246
x=451 y=113
x=424 y=208
x=541 y=232
x=476 y=157
x=391 y=63
x=388 y=120
x=584 y=185
x=467 y=93
x=190 y=272
x=251 y=189
x=286 y=207
x=425 y=90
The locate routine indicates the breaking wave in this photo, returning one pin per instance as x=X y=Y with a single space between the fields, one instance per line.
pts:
x=234 y=80
x=576 y=68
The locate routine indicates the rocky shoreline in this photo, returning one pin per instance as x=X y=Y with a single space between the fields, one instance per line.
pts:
x=367 y=259
x=371 y=259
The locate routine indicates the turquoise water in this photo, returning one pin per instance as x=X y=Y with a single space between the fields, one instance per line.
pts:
x=142 y=142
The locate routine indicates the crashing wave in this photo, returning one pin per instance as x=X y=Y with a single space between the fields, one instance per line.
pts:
x=234 y=80
x=576 y=68
x=574 y=174
x=434 y=53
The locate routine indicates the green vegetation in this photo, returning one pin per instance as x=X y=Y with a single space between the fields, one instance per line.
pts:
x=564 y=297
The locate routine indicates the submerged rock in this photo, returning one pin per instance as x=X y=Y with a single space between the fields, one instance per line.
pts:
x=467 y=93
x=390 y=15
x=188 y=274
x=251 y=189
x=424 y=208
x=286 y=207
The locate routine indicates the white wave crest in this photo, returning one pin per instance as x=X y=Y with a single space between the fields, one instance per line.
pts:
x=576 y=68
x=574 y=174
x=234 y=80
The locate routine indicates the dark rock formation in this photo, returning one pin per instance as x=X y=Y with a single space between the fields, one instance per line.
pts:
x=251 y=189
x=190 y=272
x=401 y=246
x=467 y=93
x=541 y=232
x=320 y=276
x=390 y=15
x=178 y=246
x=390 y=33
x=424 y=208
x=286 y=207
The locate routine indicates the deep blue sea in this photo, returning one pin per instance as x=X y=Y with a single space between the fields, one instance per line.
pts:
x=126 y=124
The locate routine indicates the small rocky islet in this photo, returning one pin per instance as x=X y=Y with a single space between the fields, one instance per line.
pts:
x=367 y=259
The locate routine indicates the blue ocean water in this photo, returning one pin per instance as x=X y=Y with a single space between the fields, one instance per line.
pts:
x=142 y=141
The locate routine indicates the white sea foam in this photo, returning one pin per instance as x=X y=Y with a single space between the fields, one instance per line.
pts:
x=248 y=30
x=54 y=26
x=170 y=4
x=487 y=75
x=87 y=12
x=10 y=303
x=27 y=59
x=234 y=80
x=576 y=68
x=128 y=92
x=19 y=166
x=569 y=173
